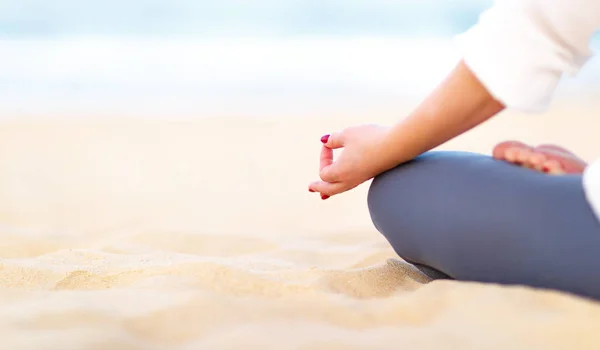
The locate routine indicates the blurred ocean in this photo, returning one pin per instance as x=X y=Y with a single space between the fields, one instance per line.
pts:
x=253 y=57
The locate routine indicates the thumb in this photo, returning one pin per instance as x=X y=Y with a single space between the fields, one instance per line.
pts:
x=333 y=141
x=332 y=173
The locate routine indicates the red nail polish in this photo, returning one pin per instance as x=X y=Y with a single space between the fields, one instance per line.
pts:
x=546 y=169
x=311 y=191
x=325 y=197
x=325 y=138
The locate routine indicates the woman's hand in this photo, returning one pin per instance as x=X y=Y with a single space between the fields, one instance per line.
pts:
x=458 y=104
x=362 y=159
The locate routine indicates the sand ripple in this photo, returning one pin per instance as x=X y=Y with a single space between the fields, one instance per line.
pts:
x=163 y=236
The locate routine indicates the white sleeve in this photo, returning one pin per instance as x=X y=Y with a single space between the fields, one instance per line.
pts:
x=519 y=49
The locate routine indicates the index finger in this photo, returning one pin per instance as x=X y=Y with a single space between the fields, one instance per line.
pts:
x=326 y=157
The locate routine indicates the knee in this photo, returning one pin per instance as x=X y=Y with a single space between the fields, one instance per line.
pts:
x=392 y=192
x=390 y=212
x=378 y=203
x=402 y=201
x=406 y=191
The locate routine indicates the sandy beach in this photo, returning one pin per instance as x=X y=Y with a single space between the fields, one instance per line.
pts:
x=201 y=234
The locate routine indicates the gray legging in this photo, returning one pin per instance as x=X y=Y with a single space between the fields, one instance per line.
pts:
x=469 y=217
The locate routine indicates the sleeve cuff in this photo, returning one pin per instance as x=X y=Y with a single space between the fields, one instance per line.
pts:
x=514 y=60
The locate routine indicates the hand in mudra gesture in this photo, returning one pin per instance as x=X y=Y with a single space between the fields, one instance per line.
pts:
x=361 y=159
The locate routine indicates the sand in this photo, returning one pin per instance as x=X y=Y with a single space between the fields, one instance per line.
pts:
x=200 y=234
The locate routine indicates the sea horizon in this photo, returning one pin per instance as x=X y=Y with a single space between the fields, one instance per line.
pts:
x=243 y=58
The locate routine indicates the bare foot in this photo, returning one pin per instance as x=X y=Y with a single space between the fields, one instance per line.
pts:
x=549 y=159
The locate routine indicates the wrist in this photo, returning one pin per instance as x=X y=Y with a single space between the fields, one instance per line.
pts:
x=398 y=145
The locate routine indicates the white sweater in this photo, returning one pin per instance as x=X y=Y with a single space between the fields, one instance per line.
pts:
x=519 y=50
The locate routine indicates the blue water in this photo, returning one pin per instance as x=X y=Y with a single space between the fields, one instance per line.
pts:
x=261 y=57
x=193 y=18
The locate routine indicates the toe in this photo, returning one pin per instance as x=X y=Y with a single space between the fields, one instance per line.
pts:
x=512 y=154
x=553 y=167
x=570 y=163
x=536 y=160
x=502 y=148
x=522 y=156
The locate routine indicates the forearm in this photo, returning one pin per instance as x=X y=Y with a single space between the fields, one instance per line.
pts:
x=519 y=49
x=460 y=103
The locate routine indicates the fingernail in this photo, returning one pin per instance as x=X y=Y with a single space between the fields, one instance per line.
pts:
x=546 y=169
x=325 y=197
x=311 y=191
x=325 y=138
